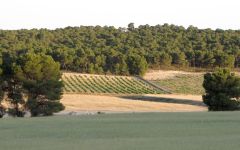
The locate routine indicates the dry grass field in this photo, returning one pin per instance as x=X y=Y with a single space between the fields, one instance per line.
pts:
x=138 y=103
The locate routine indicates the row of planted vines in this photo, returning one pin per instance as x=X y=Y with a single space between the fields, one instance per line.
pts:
x=100 y=84
x=183 y=84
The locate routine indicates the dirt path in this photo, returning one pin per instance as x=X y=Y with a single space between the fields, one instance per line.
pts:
x=145 y=103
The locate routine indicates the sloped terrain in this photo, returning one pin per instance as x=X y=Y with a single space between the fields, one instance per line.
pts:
x=183 y=84
x=178 y=82
x=105 y=84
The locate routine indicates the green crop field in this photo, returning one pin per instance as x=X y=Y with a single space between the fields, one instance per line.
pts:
x=183 y=84
x=99 y=84
x=147 y=131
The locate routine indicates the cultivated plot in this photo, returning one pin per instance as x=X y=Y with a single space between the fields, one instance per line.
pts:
x=103 y=84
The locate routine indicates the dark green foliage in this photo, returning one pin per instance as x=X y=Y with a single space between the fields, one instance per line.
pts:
x=11 y=86
x=2 y=108
x=14 y=92
x=2 y=111
x=42 y=106
x=222 y=90
x=41 y=78
x=137 y=65
x=179 y=58
x=223 y=60
x=105 y=49
x=165 y=59
x=31 y=82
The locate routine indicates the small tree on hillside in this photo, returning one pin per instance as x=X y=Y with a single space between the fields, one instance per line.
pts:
x=137 y=64
x=222 y=90
x=165 y=59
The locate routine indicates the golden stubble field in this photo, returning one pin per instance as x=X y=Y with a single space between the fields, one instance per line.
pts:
x=144 y=103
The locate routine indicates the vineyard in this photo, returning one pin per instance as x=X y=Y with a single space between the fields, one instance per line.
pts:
x=183 y=84
x=103 y=84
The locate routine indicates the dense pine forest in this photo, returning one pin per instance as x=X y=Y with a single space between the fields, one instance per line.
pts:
x=127 y=51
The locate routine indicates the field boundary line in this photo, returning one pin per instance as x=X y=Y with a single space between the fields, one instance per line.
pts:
x=154 y=85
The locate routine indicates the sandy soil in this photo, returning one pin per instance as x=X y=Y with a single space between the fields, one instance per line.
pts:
x=161 y=74
x=145 y=103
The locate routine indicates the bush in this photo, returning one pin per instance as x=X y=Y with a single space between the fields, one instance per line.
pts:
x=222 y=90
x=44 y=107
x=2 y=111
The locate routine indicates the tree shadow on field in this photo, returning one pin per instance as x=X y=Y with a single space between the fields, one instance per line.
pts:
x=164 y=100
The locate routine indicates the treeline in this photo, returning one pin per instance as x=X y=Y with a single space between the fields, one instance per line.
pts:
x=128 y=50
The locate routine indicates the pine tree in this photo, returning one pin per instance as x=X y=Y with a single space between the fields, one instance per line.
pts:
x=41 y=77
x=222 y=90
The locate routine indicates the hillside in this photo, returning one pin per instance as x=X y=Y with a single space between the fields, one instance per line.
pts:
x=178 y=82
x=127 y=51
x=102 y=84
